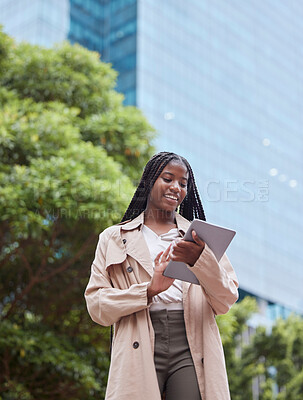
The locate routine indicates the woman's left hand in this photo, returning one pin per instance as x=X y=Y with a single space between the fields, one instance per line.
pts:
x=187 y=252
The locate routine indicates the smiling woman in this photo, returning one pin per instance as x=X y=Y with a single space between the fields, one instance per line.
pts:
x=166 y=341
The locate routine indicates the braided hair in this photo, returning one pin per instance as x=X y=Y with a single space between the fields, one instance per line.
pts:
x=190 y=208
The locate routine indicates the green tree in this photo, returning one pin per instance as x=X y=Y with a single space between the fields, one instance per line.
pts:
x=281 y=354
x=272 y=359
x=69 y=154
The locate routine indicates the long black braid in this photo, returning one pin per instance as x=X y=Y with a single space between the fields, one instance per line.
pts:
x=190 y=208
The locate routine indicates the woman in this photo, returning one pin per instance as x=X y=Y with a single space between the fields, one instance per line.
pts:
x=166 y=341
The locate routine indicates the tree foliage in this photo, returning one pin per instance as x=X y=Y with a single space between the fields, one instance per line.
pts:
x=69 y=154
x=262 y=363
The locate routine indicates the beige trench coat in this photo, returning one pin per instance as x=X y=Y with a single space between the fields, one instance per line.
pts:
x=117 y=294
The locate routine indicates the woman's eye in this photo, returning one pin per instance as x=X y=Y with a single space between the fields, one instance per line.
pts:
x=167 y=180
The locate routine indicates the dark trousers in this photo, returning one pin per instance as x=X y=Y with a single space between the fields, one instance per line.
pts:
x=174 y=365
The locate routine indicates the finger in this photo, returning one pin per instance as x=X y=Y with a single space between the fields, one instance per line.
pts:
x=179 y=251
x=185 y=245
x=182 y=244
x=183 y=255
x=166 y=252
x=197 y=239
x=157 y=259
x=178 y=257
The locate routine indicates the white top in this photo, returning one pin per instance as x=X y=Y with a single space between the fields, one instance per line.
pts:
x=172 y=297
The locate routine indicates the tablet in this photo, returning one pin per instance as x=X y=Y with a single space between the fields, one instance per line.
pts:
x=216 y=237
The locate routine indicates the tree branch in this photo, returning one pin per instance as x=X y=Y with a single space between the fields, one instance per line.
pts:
x=27 y=265
x=38 y=279
x=63 y=267
x=25 y=291
x=44 y=259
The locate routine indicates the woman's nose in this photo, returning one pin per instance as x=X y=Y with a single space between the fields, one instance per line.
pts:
x=175 y=186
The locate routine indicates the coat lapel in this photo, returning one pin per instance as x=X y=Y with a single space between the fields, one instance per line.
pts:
x=115 y=253
x=134 y=242
x=136 y=247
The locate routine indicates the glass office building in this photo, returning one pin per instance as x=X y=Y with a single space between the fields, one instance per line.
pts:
x=221 y=81
x=109 y=27
x=36 y=21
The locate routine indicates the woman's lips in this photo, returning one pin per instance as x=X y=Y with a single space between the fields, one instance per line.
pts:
x=171 y=197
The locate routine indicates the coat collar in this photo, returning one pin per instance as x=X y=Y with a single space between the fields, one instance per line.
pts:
x=137 y=247
x=182 y=223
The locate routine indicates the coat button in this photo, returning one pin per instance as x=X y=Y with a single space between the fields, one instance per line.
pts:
x=129 y=269
x=135 y=345
x=124 y=241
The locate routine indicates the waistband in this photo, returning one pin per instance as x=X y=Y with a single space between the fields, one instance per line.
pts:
x=162 y=315
x=165 y=306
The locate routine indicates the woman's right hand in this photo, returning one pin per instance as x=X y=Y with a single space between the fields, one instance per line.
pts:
x=159 y=282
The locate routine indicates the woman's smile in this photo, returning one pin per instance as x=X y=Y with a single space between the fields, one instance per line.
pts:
x=171 y=197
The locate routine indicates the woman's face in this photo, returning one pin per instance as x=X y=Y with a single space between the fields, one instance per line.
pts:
x=170 y=187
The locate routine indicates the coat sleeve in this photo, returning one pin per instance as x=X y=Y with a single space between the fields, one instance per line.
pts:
x=107 y=305
x=218 y=280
